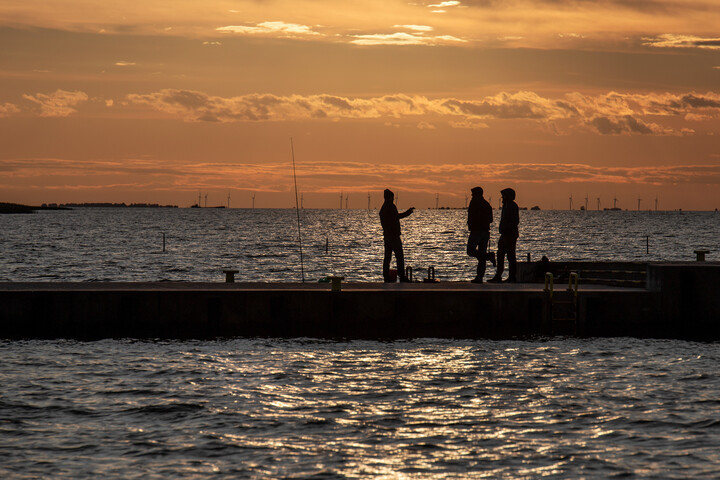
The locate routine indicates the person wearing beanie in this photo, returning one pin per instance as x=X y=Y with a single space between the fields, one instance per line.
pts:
x=509 y=221
x=390 y=221
x=479 y=219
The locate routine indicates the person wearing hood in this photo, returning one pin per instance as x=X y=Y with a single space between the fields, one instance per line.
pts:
x=390 y=221
x=479 y=219
x=509 y=221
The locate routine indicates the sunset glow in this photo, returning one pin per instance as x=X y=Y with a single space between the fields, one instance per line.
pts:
x=156 y=101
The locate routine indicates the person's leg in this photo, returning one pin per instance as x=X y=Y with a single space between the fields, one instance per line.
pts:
x=500 y=259
x=512 y=259
x=482 y=243
x=472 y=245
x=386 y=260
x=399 y=258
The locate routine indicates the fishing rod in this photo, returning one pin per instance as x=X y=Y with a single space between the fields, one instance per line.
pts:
x=297 y=211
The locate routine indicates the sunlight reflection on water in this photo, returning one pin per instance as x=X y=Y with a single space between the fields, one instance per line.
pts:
x=126 y=244
x=428 y=408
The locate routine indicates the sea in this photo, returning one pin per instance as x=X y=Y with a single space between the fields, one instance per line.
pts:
x=270 y=408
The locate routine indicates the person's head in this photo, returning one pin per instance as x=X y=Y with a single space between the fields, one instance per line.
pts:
x=477 y=192
x=389 y=195
x=508 y=194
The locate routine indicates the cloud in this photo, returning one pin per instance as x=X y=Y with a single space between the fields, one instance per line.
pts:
x=402 y=38
x=610 y=114
x=669 y=40
x=123 y=63
x=450 y=3
x=608 y=24
x=469 y=124
x=625 y=124
x=7 y=109
x=270 y=28
x=328 y=177
x=57 y=104
x=417 y=28
x=212 y=44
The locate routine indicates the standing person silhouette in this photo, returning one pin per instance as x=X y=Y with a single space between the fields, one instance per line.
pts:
x=390 y=221
x=509 y=221
x=479 y=219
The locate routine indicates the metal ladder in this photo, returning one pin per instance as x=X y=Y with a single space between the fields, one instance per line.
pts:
x=563 y=306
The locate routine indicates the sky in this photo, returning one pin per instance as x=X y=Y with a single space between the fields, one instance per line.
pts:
x=159 y=101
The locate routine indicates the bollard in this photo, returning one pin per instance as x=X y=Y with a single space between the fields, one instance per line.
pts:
x=408 y=274
x=431 y=276
x=528 y=257
x=163 y=243
x=230 y=275
x=647 y=244
x=700 y=255
x=336 y=283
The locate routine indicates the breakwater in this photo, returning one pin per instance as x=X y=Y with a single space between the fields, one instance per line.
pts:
x=679 y=300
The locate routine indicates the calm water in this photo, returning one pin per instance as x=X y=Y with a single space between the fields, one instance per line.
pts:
x=267 y=409
x=126 y=244
x=615 y=408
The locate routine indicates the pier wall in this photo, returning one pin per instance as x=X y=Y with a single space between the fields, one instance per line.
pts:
x=679 y=300
x=367 y=314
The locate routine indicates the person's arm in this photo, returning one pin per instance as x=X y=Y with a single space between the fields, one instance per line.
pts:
x=406 y=213
x=488 y=213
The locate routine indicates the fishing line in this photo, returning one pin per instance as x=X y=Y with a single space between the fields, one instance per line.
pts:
x=297 y=210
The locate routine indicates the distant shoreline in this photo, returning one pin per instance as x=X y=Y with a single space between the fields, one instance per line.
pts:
x=19 y=208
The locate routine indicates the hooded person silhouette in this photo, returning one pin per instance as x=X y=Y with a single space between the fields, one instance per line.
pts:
x=479 y=219
x=390 y=221
x=509 y=221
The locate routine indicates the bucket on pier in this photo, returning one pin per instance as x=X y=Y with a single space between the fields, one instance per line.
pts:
x=392 y=276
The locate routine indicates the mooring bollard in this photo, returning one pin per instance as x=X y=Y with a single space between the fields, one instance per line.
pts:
x=431 y=276
x=336 y=283
x=700 y=255
x=230 y=275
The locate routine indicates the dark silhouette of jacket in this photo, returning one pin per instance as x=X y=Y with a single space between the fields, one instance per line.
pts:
x=390 y=219
x=509 y=219
x=479 y=215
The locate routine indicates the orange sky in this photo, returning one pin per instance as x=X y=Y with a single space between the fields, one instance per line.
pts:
x=155 y=101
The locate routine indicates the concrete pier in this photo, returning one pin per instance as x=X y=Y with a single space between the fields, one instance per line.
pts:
x=679 y=301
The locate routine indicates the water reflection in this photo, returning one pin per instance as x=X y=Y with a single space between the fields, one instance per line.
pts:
x=126 y=244
x=426 y=409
